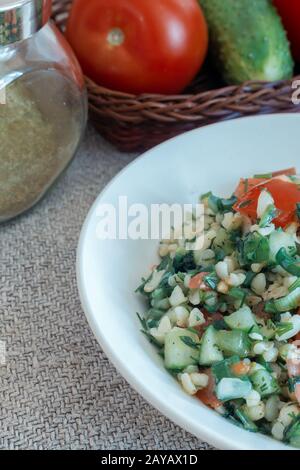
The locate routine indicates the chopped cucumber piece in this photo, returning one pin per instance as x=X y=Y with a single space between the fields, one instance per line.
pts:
x=210 y=352
x=160 y=304
x=233 y=388
x=223 y=369
x=211 y=280
x=255 y=249
x=287 y=262
x=284 y=304
x=249 y=278
x=234 y=342
x=160 y=293
x=238 y=294
x=181 y=348
x=264 y=383
x=280 y=239
x=288 y=329
x=243 y=319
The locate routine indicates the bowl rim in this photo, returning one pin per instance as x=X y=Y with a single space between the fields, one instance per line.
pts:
x=208 y=434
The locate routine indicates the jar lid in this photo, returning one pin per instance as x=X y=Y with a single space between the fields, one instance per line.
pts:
x=20 y=19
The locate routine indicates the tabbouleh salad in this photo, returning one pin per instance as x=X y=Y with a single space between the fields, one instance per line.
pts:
x=226 y=318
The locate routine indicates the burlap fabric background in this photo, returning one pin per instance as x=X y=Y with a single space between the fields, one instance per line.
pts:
x=58 y=390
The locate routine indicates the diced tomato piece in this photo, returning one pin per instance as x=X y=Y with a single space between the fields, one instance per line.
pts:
x=288 y=172
x=210 y=318
x=285 y=194
x=240 y=368
x=246 y=184
x=196 y=281
x=207 y=395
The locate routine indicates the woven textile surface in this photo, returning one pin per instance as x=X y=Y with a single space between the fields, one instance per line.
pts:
x=58 y=389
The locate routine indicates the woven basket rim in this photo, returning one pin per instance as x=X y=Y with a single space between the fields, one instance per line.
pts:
x=224 y=90
x=137 y=122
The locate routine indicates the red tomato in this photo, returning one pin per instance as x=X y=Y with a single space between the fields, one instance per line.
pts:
x=210 y=319
x=288 y=172
x=139 y=46
x=197 y=281
x=285 y=194
x=289 y=11
x=240 y=368
x=246 y=184
x=207 y=394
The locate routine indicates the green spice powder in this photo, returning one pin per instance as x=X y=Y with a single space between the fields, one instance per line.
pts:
x=33 y=148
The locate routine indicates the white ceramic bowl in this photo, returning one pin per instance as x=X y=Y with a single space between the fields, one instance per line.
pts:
x=211 y=158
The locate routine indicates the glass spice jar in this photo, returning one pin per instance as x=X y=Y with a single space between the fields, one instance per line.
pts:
x=43 y=104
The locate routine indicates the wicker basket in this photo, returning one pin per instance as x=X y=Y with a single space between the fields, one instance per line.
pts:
x=136 y=123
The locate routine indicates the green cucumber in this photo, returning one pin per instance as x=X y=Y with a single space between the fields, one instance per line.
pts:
x=233 y=388
x=255 y=249
x=163 y=304
x=248 y=40
x=284 y=304
x=287 y=262
x=223 y=369
x=210 y=352
x=288 y=329
x=234 y=342
x=280 y=239
x=243 y=319
x=264 y=383
x=178 y=354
